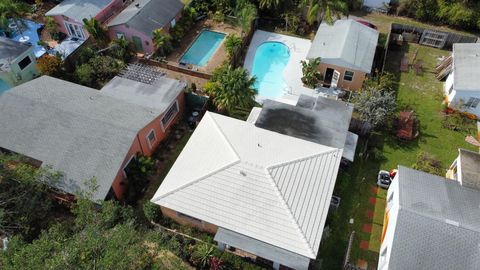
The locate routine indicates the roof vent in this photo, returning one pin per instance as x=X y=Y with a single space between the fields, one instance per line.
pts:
x=137 y=5
x=452 y=222
x=259 y=145
x=243 y=173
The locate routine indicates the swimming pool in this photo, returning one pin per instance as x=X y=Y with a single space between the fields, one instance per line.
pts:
x=3 y=86
x=269 y=61
x=203 y=48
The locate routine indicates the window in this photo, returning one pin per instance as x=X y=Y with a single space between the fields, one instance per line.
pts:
x=120 y=35
x=383 y=257
x=169 y=115
x=173 y=22
x=151 y=139
x=390 y=197
x=25 y=62
x=348 y=76
x=450 y=90
x=189 y=218
x=472 y=103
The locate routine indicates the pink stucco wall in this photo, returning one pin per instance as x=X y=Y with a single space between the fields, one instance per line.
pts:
x=113 y=8
x=140 y=144
x=129 y=32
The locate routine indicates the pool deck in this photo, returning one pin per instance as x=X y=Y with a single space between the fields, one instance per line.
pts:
x=293 y=71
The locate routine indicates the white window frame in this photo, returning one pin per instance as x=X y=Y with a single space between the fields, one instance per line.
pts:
x=18 y=64
x=345 y=74
x=152 y=131
x=126 y=164
x=164 y=127
x=173 y=22
x=71 y=34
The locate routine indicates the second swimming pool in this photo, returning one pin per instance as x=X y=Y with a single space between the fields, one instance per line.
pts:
x=203 y=48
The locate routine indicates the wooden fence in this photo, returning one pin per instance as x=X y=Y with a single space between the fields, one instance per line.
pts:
x=175 y=67
x=417 y=33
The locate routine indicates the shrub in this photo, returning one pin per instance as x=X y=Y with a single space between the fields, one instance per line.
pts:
x=50 y=65
x=457 y=122
x=152 y=211
x=232 y=45
x=311 y=75
x=429 y=164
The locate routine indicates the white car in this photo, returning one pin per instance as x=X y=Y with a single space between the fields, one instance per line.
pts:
x=383 y=179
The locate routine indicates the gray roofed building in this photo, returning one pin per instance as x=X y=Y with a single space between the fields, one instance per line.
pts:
x=346 y=43
x=11 y=49
x=148 y=15
x=321 y=120
x=466 y=169
x=433 y=223
x=77 y=130
x=466 y=63
x=79 y=9
x=158 y=96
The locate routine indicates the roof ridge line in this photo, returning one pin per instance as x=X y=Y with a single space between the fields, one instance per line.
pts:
x=285 y=204
x=333 y=149
x=223 y=134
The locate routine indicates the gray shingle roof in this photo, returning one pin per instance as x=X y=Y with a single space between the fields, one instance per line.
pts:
x=438 y=225
x=347 y=43
x=466 y=63
x=158 y=96
x=11 y=49
x=320 y=120
x=75 y=129
x=79 y=9
x=149 y=15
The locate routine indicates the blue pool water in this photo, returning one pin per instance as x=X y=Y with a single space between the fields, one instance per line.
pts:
x=3 y=87
x=203 y=48
x=269 y=61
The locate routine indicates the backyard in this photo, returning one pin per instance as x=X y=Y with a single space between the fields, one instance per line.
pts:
x=361 y=200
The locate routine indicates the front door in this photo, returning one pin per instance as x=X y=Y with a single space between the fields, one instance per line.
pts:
x=138 y=44
x=328 y=77
x=75 y=30
x=335 y=78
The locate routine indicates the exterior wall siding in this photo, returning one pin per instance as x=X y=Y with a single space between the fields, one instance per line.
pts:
x=355 y=84
x=457 y=97
x=140 y=144
x=27 y=74
x=203 y=226
x=60 y=20
x=129 y=32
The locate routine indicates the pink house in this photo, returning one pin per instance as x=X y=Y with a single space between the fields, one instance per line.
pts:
x=84 y=133
x=69 y=14
x=137 y=22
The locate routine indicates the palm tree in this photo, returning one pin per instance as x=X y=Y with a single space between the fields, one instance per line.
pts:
x=326 y=9
x=162 y=41
x=245 y=12
x=231 y=89
x=203 y=253
x=95 y=29
x=12 y=9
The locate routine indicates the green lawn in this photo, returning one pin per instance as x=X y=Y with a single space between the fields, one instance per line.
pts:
x=423 y=94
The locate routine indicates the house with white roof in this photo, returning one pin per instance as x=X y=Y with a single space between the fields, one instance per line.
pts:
x=466 y=169
x=84 y=133
x=462 y=87
x=347 y=50
x=430 y=223
x=259 y=191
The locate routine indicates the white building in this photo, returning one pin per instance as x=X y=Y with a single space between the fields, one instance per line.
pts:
x=462 y=87
x=430 y=223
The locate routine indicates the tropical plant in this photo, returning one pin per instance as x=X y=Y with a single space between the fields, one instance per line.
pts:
x=51 y=26
x=96 y=30
x=245 y=12
x=202 y=254
x=50 y=65
x=232 y=44
x=162 y=42
x=311 y=74
x=13 y=10
x=122 y=49
x=385 y=81
x=231 y=89
x=269 y=4
x=325 y=10
x=375 y=106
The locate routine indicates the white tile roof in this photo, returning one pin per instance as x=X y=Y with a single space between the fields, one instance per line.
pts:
x=265 y=185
